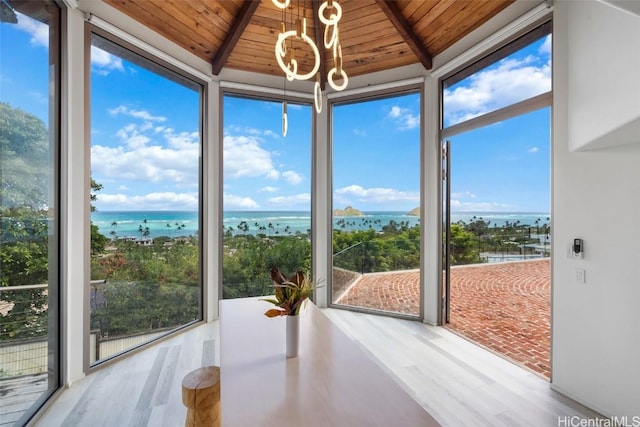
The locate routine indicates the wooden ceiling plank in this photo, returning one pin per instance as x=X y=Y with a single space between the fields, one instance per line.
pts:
x=418 y=9
x=198 y=21
x=423 y=25
x=242 y=20
x=231 y=7
x=461 y=23
x=375 y=28
x=415 y=44
x=370 y=40
x=365 y=67
x=217 y=15
x=352 y=10
x=157 y=19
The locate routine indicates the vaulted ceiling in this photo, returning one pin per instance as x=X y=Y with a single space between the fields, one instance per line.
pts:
x=375 y=35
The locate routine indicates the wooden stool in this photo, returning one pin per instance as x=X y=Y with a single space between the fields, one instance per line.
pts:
x=201 y=395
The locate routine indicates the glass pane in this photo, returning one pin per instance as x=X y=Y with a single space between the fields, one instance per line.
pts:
x=29 y=326
x=376 y=201
x=518 y=76
x=145 y=200
x=267 y=194
x=500 y=238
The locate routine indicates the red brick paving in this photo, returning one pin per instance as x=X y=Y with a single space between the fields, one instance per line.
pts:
x=505 y=307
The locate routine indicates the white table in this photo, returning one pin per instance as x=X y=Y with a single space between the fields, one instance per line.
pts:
x=333 y=382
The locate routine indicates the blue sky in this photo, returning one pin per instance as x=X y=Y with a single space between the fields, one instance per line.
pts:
x=145 y=134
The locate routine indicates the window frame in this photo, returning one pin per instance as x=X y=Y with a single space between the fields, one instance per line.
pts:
x=376 y=93
x=511 y=45
x=203 y=91
x=257 y=93
x=513 y=42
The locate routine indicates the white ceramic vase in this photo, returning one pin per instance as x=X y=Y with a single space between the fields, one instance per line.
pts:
x=293 y=335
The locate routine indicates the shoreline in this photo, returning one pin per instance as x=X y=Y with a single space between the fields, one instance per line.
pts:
x=175 y=224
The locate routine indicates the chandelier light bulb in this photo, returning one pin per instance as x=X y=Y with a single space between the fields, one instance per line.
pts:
x=334 y=35
x=280 y=55
x=317 y=95
x=293 y=67
x=345 y=79
x=285 y=121
x=334 y=17
x=281 y=4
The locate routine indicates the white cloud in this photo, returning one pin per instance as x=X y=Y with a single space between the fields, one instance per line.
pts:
x=457 y=205
x=533 y=150
x=39 y=97
x=250 y=131
x=244 y=157
x=511 y=81
x=131 y=135
x=404 y=118
x=143 y=159
x=138 y=114
x=289 y=201
x=39 y=32
x=183 y=141
x=231 y=201
x=377 y=195
x=161 y=201
x=545 y=49
x=269 y=189
x=292 y=177
x=463 y=195
x=359 y=132
x=104 y=61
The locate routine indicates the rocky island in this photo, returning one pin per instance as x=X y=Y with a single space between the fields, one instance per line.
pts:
x=348 y=211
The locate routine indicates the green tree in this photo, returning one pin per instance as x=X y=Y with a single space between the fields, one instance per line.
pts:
x=24 y=144
x=464 y=246
x=98 y=240
x=24 y=222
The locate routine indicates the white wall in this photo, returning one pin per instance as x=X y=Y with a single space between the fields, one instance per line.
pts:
x=595 y=337
x=604 y=56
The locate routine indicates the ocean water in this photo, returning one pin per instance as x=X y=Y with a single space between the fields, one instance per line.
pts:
x=180 y=223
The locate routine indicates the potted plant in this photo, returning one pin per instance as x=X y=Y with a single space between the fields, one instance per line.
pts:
x=289 y=296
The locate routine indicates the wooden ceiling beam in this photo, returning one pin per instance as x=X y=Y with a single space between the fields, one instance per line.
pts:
x=243 y=18
x=319 y=36
x=391 y=9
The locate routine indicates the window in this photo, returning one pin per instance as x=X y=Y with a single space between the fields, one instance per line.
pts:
x=267 y=194
x=376 y=204
x=519 y=71
x=497 y=127
x=146 y=145
x=29 y=206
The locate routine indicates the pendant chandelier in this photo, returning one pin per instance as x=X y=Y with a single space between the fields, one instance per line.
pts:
x=285 y=50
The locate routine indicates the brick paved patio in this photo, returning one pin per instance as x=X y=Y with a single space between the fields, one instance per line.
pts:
x=505 y=307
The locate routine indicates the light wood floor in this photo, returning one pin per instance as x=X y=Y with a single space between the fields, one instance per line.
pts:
x=459 y=383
